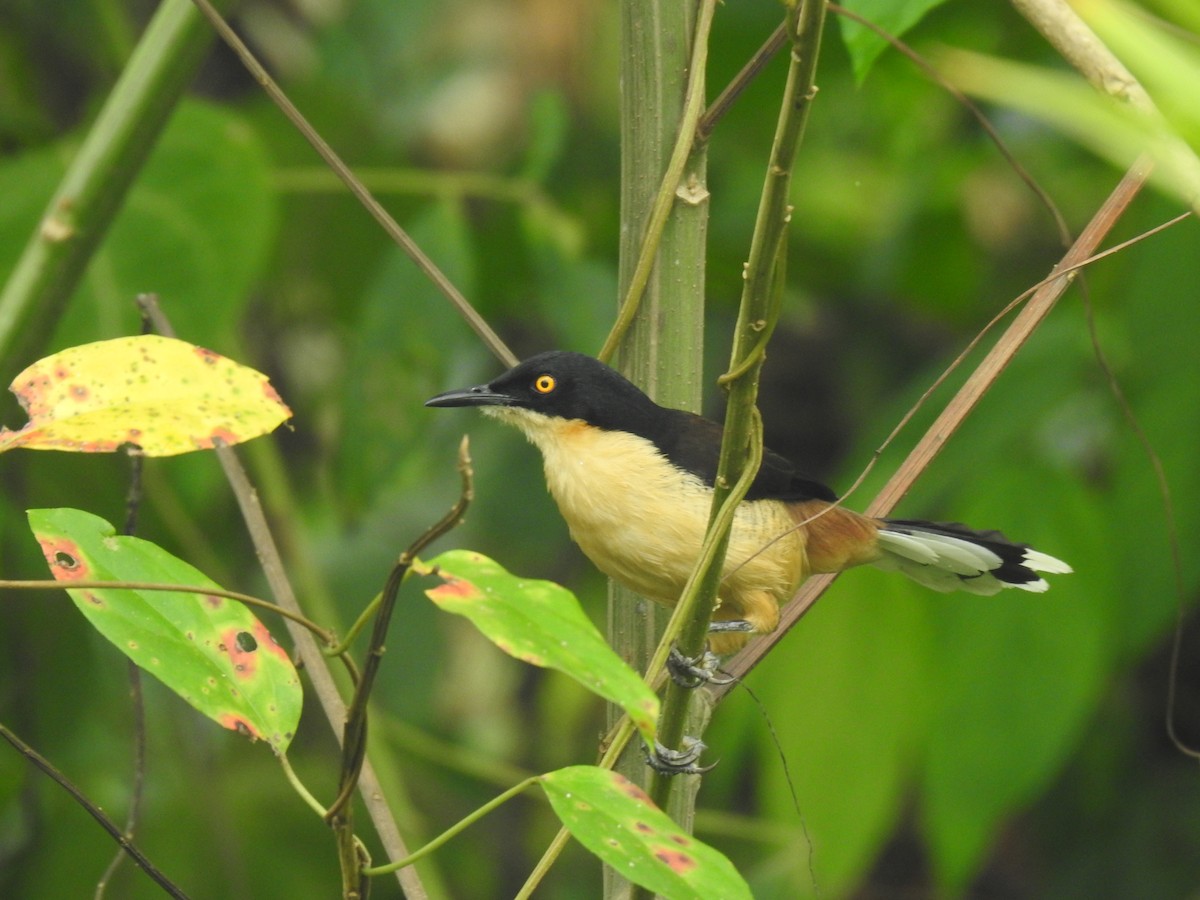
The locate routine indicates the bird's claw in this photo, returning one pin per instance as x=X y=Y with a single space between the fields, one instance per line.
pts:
x=692 y=672
x=666 y=761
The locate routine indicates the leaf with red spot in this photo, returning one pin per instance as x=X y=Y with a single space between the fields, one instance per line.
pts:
x=613 y=817
x=163 y=395
x=210 y=650
x=541 y=623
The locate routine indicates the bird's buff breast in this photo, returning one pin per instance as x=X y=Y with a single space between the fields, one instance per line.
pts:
x=641 y=521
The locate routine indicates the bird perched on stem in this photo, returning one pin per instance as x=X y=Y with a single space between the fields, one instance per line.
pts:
x=634 y=482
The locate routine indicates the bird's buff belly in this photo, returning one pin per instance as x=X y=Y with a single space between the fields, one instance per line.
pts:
x=642 y=524
x=655 y=554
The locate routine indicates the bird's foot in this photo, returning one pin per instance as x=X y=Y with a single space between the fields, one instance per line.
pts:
x=666 y=761
x=692 y=672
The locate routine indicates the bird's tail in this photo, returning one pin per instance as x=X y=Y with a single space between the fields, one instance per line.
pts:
x=947 y=556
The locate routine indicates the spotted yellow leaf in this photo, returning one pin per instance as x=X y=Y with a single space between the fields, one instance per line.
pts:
x=159 y=394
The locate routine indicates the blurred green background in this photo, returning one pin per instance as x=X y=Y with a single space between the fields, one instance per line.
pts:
x=938 y=745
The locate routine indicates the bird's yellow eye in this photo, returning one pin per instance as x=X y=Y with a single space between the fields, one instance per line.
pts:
x=545 y=384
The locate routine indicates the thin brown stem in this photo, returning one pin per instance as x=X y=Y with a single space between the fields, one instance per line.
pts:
x=357 y=188
x=963 y=402
x=319 y=673
x=48 y=768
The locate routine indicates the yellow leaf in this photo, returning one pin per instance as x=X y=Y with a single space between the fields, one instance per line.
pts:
x=162 y=395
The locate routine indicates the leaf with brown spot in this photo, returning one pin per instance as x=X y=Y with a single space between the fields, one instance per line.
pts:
x=217 y=656
x=540 y=623
x=163 y=395
x=615 y=820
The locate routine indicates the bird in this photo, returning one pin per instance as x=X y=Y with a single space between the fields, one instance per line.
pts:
x=634 y=482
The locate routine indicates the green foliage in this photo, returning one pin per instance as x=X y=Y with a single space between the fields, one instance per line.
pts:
x=195 y=229
x=210 y=650
x=1013 y=736
x=613 y=818
x=540 y=623
x=894 y=16
x=1157 y=117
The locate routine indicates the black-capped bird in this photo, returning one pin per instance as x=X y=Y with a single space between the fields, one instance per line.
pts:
x=634 y=481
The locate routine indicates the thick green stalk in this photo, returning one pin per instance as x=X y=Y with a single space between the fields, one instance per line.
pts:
x=683 y=181
x=98 y=178
x=662 y=350
x=756 y=320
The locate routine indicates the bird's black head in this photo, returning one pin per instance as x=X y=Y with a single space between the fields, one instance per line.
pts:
x=563 y=384
x=572 y=386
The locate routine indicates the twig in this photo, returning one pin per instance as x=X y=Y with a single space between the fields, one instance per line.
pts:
x=356 y=187
x=355 y=743
x=756 y=320
x=314 y=660
x=753 y=68
x=95 y=812
x=1032 y=315
x=138 y=705
x=136 y=697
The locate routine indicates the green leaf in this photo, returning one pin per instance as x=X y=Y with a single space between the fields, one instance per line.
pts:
x=540 y=623
x=196 y=228
x=613 y=817
x=1119 y=133
x=210 y=650
x=1018 y=675
x=844 y=694
x=164 y=395
x=893 y=16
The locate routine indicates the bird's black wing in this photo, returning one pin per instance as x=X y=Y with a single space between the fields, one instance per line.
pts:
x=778 y=479
x=694 y=443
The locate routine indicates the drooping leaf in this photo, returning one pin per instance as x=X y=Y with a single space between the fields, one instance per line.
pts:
x=617 y=821
x=163 y=395
x=893 y=16
x=210 y=650
x=1118 y=132
x=540 y=623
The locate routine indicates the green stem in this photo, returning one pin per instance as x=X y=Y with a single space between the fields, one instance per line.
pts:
x=298 y=786
x=694 y=611
x=49 y=585
x=623 y=731
x=359 y=624
x=453 y=830
x=418 y=182
x=98 y=178
x=673 y=184
x=548 y=859
x=662 y=253
x=393 y=230
x=741 y=440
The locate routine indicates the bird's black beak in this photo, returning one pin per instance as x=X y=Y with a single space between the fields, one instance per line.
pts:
x=480 y=395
